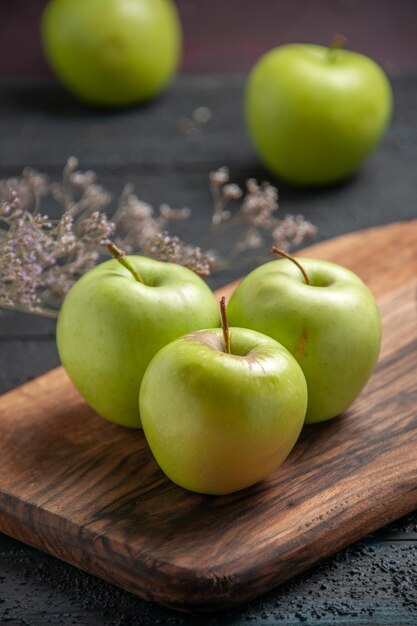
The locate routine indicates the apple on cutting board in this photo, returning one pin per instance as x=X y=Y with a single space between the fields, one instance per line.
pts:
x=325 y=316
x=315 y=113
x=222 y=414
x=116 y=317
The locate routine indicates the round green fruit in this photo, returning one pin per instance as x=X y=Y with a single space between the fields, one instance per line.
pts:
x=219 y=422
x=315 y=113
x=111 y=325
x=332 y=327
x=112 y=52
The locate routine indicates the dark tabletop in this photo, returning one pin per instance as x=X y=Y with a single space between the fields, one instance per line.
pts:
x=168 y=159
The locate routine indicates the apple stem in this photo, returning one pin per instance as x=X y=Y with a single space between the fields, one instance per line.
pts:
x=120 y=256
x=291 y=258
x=337 y=43
x=225 y=326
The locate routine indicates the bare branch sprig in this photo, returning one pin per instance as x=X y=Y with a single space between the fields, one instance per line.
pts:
x=257 y=217
x=41 y=257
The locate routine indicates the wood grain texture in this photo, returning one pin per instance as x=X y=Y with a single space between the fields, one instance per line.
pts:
x=91 y=494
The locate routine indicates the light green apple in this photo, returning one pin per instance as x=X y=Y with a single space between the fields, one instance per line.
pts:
x=112 y=52
x=111 y=325
x=332 y=326
x=315 y=113
x=218 y=422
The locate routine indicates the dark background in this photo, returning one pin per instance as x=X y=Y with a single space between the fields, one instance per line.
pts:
x=373 y=582
x=229 y=35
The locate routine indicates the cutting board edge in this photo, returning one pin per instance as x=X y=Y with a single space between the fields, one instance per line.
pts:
x=213 y=592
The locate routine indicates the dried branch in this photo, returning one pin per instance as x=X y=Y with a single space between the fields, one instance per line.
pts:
x=40 y=257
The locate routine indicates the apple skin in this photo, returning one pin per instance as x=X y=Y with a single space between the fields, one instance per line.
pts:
x=217 y=422
x=314 y=114
x=110 y=326
x=332 y=327
x=112 y=52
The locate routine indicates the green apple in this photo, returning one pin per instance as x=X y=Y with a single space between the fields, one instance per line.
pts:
x=331 y=326
x=111 y=325
x=315 y=113
x=112 y=52
x=216 y=421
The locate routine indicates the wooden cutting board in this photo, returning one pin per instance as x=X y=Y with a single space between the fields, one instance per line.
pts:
x=90 y=493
